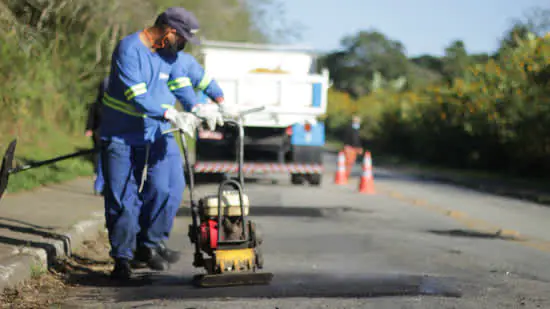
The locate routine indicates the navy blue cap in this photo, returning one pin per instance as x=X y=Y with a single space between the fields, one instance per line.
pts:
x=184 y=22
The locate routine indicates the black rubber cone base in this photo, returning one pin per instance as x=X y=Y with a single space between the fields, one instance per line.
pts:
x=7 y=162
x=232 y=279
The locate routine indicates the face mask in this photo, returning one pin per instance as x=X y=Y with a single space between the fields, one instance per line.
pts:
x=181 y=46
x=172 y=48
x=169 y=48
x=356 y=126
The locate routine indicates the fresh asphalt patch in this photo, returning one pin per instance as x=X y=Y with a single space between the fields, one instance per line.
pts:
x=170 y=287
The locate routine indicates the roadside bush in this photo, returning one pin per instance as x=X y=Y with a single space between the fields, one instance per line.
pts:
x=496 y=117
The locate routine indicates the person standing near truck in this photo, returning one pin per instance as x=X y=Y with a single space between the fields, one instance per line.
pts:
x=352 y=143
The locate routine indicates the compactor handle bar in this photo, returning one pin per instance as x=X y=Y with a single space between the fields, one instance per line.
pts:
x=226 y=120
x=240 y=140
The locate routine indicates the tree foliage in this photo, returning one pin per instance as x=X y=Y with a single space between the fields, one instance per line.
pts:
x=54 y=52
x=484 y=111
x=354 y=68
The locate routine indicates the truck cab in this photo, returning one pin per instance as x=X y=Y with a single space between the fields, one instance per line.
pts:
x=287 y=137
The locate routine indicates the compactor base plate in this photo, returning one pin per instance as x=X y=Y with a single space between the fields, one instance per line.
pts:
x=232 y=279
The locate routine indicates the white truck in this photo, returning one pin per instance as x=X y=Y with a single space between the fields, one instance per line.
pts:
x=287 y=137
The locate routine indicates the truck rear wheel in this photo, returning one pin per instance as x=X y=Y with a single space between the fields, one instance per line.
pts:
x=297 y=179
x=315 y=179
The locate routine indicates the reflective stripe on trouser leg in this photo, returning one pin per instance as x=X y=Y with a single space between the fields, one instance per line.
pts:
x=162 y=192
x=122 y=204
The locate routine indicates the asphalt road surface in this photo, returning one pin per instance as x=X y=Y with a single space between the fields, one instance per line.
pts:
x=411 y=245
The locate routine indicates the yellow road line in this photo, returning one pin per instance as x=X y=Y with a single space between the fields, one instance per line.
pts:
x=473 y=223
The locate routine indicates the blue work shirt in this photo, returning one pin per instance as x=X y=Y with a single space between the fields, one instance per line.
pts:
x=142 y=85
x=199 y=79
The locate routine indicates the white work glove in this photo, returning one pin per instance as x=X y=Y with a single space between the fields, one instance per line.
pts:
x=210 y=113
x=229 y=110
x=186 y=122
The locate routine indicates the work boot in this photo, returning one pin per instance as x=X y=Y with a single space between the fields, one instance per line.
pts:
x=151 y=257
x=171 y=256
x=122 y=270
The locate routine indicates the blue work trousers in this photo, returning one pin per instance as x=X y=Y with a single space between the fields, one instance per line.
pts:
x=145 y=218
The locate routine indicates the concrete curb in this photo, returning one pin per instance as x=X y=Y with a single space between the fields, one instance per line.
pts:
x=26 y=260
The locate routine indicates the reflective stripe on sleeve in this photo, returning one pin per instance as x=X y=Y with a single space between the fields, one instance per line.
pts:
x=204 y=82
x=135 y=90
x=179 y=83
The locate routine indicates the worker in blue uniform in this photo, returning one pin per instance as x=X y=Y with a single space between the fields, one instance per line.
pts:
x=142 y=167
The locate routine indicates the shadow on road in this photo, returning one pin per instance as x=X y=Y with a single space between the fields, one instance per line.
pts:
x=216 y=179
x=382 y=174
x=502 y=188
x=291 y=211
x=471 y=234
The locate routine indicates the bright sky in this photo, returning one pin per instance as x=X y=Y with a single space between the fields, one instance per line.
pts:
x=423 y=26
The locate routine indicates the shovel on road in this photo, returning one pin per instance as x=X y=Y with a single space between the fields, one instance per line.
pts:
x=7 y=162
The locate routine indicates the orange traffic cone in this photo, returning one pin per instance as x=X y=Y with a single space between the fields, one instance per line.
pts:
x=340 y=177
x=367 y=180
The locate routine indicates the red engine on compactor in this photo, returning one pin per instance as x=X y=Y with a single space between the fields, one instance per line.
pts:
x=231 y=230
x=209 y=234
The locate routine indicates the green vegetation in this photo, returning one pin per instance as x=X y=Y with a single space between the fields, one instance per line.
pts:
x=54 y=53
x=485 y=112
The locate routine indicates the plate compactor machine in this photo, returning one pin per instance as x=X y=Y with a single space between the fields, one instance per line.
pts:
x=226 y=242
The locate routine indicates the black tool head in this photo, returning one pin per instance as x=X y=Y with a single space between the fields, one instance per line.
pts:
x=7 y=162
x=232 y=279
